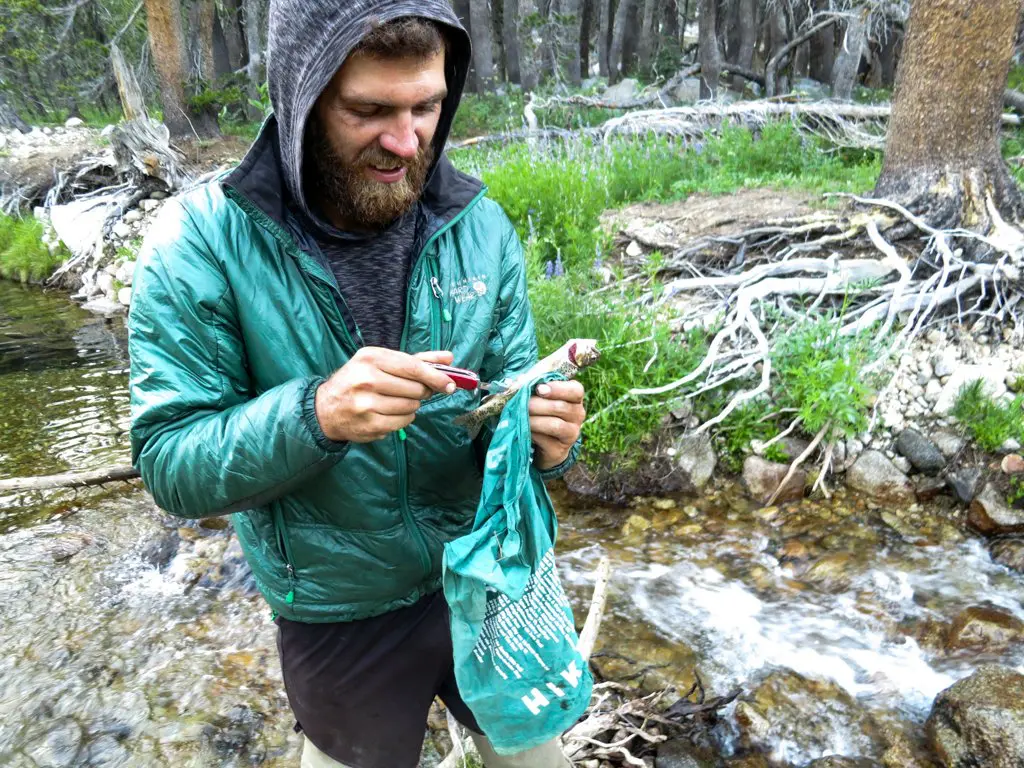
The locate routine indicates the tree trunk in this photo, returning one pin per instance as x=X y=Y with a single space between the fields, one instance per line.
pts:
x=844 y=73
x=747 y=22
x=823 y=50
x=166 y=42
x=9 y=118
x=461 y=8
x=648 y=34
x=631 y=39
x=230 y=26
x=710 y=55
x=604 y=38
x=943 y=153
x=529 y=69
x=483 y=51
x=887 y=56
x=586 y=29
x=670 y=19
x=203 y=32
x=256 y=43
x=510 y=34
x=615 y=62
x=570 y=11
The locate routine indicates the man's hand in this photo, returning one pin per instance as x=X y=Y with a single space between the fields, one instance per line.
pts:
x=378 y=392
x=556 y=415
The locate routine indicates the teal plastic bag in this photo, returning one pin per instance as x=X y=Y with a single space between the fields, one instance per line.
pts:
x=516 y=658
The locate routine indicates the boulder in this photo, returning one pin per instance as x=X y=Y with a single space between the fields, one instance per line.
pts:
x=1009 y=552
x=623 y=92
x=965 y=483
x=986 y=628
x=695 y=462
x=921 y=452
x=991 y=515
x=687 y=92
x=74 y=122
x=944 y=362
x=979 y=721
x=948 y=443
x=811 y=89
x=992 y=376
x=874 y=474
x=762 y=477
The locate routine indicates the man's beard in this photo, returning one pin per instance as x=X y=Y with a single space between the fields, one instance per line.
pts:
x=356 y=198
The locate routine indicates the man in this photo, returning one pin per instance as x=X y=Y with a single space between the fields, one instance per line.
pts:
x=281 y=334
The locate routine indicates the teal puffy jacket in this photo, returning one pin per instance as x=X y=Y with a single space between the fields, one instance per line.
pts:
x=236 y=319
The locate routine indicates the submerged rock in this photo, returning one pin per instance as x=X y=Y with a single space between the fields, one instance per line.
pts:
x=1009 y=552
x=59 y=747
x=680 y=753
x=834 y=761
x=762 y=478
x=921 y=452
x=984 y=627
x=874 y=474
x=979 y=721
x=991 y=515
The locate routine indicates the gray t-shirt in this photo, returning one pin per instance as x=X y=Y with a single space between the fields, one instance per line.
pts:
x=373 y=274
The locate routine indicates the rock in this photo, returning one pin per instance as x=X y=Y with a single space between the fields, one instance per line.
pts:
x=928 y=488
x=1012 y=464
x=944 y=362
x=158 y=195
x=132 y=216
x=830 y=573
x=695 y=462
x=149 y=205
x=161 y=550
x=687 y=92
x=107 y=131
x=105 y=282
x=921 y=452
x=1010 y=445
x=979 y=721
x=1009 y=552
x=991 y=515
x=992 y=376
x=126 y=273
x=103 y=306
x=636 y=524
x=680 y=753
x=633 y=250
x=874 y=474
x=124 y=296
x=122 y=231
x=59 y=746
x=74 y=122
x=932 y=390
x=811 y=89
x=986 y=628
x=761 y=478
x=833 y=761
x=623 y=92
x=902 y=464
x=237 y=733
x=67 y=545
x=965 y=483
x=3 y=141
x=106 y=751
x=948 y=443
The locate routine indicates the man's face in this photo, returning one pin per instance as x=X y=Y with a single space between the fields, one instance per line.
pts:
x=370 y=138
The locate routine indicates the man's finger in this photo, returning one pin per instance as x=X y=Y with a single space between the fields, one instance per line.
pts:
x=395 y=406
x=397 y=386
x=569 y=391
x=555 y=428
x=409 y=367
x=563 y=409
x=444 y=358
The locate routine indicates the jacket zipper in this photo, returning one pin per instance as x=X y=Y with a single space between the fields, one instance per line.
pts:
x=286 y=554
x=436 y=311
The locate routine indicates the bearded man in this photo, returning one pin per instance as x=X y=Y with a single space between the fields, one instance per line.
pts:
x=283 y=328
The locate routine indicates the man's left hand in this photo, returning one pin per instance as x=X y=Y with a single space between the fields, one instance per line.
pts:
x=556 y=416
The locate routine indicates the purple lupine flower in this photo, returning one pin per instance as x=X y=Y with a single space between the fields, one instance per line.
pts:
x=549 y=270
x=559 y=267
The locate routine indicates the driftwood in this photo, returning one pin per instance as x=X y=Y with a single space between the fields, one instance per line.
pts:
x=860 y=126
x=69 y=480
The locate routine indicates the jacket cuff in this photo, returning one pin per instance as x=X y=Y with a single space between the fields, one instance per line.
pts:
x=313 y=424
x=556 y=472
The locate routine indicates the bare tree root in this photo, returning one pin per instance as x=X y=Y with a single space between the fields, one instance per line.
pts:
x=896 y=296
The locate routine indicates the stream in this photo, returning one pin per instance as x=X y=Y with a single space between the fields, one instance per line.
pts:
x=133 y=639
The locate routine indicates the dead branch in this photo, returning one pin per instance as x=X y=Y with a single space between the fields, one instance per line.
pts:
x=592 y=625
x=69 y=480
x=772 y=68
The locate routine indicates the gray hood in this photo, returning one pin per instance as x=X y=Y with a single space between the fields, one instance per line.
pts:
x=309 y=40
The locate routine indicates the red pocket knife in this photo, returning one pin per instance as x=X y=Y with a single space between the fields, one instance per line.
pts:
x=466 y=379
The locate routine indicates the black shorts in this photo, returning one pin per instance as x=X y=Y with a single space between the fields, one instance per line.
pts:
x=361 y=690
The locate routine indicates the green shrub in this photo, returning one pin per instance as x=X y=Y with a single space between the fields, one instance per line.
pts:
x=22 y=253
x=991 y=423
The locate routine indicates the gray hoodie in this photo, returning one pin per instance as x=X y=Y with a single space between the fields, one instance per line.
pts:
x=310 y=40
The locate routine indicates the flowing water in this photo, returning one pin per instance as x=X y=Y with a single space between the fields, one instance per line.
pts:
x=131 y=639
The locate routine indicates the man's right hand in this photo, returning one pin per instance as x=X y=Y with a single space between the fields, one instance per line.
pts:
x=378 y=392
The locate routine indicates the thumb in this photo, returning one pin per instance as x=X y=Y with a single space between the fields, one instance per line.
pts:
x=444 y=358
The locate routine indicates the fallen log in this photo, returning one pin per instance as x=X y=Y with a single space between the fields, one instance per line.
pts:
x=69 y=480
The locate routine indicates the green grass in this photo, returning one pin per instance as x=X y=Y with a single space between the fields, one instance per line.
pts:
x=991 y=423
x=22 y=254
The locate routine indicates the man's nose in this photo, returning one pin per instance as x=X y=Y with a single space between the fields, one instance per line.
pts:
x=401 y=138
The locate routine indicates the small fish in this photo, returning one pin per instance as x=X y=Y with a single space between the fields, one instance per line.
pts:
x=568 y=360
